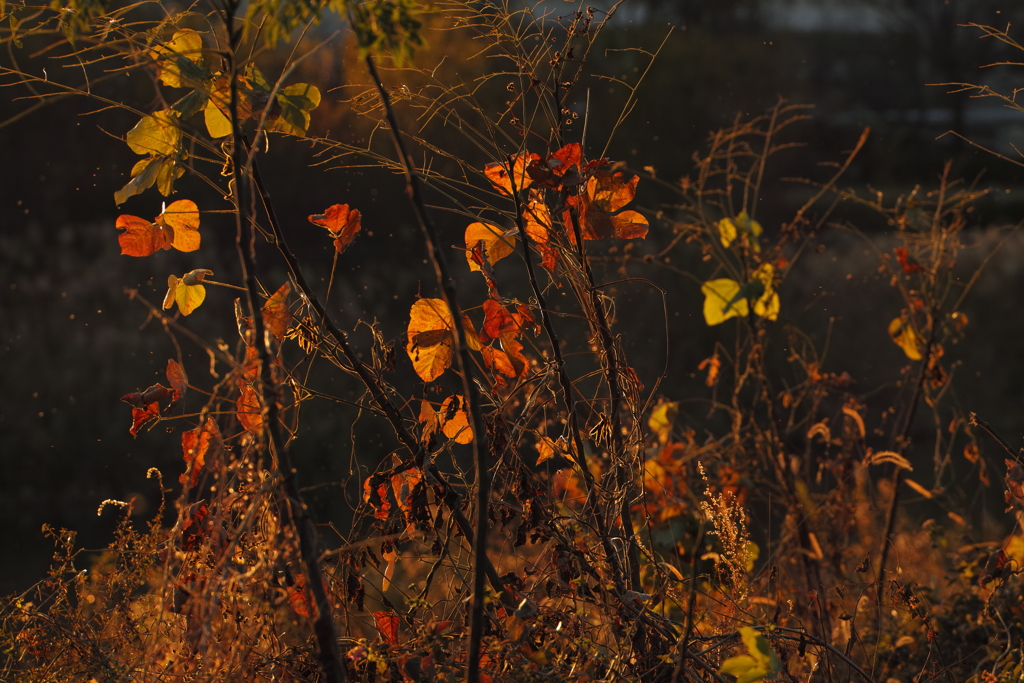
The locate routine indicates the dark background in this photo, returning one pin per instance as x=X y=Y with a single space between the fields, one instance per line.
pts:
x=72 y=342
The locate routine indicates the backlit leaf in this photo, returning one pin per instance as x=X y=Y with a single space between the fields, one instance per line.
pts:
x=903 y=335
x=430 y=340
x=176 y=376
x=499 y=176
x=157 y=133
x=496 y=244
x=387 y=624
x=144 y=175
x=391 y=558
x=277 y=317
x=455 y=421
x=662 y=418
x=218 y=125
x=196 y=444
x=186 y=45
x=721 y=301
x=187 y=291
x=296 y=101
x=140 y=237
x=141 y=416
x=249 y=407
x=342 y=222
x=761 y=662
x=546 y=449
x=182 y=217
x=609 y=192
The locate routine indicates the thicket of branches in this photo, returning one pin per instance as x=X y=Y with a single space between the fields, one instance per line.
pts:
x=547 y=507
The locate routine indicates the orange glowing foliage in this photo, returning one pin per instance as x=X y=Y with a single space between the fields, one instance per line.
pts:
x=499 y=176
x=430 y=340
x=249 y=407
x=196 y=445
x=387 y=624
x=455 y=420
x=342 y=222
x=277 y=318
x=177 y=226
x=496 y=245
x=605 y=194
x=178 y=380
x=377 y=497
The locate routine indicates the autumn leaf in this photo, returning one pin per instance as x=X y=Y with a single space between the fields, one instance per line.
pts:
x=387 y=624
x=300 y=598
x=546 y=449
x=761 y=662
x=604 y=195
x=157 y=133
x=178 y=380
x=177 y=226
x=402 y=485
x=179 y=57
x=277 y=318
x=296 y=102
x=248 y=408
x=187 y=290
x=499 y=176
x=729 y=229
x=145 y=405
x=662 y=418
x=342 y=222
x=496 y=243
x=141 y=416
x=377 y=497
x=560 y=168
x=903 y=335
x=725 y=298
x=196 y=445
x=391 y=558
x=161 y=171
x=430 y=340
x=537 y=219
x=455 y=421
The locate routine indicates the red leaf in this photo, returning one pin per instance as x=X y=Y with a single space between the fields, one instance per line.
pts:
x=301 y=598
x=387 y=624
x=342 y=222
x=178 y=380
x=402 y=485
x=498 y=321
x=907 y=262
x=141 y=416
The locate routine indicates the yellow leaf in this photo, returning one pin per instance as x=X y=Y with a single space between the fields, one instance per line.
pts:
x=186 y=43
x=157 y=133
x=726 y=231
x=767 y=305
x=182 y=217
x=662 y=419
x=496 y=245
x=720 y=302
x=903 y=335
x=430 y=340
x=187 y=290
x=217 y=125
x=546 y=449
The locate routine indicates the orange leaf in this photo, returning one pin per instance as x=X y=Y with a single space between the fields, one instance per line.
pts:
x=178 y=380
x=182 y=217
x=455 y=421
x=381 y=505
x=497 y=361
x=140 y=237
x=276 y=316
x=629 y=225
x=499 y=177
x=609 y=193
x=387 y=624
x=196 y=444
x=248 y=407
x=342 y=222
x=428 y=418
x=546 y=449
x=496 y=245
x=402 y=485
x=430 y=340
x=391 y=557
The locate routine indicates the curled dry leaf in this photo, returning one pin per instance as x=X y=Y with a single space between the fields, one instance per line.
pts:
x=499 y=176
x=178 y=380
x=430 y=338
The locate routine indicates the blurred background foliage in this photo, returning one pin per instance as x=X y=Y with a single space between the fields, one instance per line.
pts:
x=73 y=342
